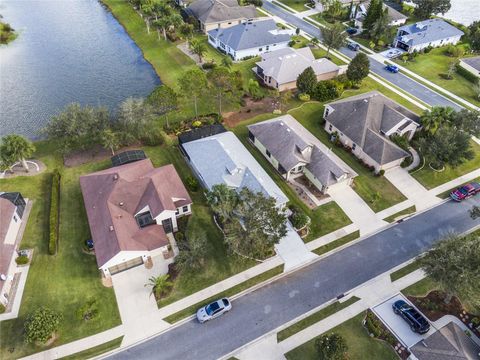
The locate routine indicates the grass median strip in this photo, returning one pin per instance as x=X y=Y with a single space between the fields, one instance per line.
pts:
x=404 y=271
x=314 y=318
x=96 y=350
x=407 y=211
x=182 y=314
x=337 y=243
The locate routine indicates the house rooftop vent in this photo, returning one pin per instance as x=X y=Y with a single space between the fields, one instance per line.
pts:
x=121 y=203
x=115 y=176
x=111 y=228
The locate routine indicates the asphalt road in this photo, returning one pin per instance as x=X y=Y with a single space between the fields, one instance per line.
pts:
x=270 y=306
x=402 y=81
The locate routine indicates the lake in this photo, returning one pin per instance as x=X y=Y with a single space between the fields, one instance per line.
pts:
x=67 y=51
x=464 y=11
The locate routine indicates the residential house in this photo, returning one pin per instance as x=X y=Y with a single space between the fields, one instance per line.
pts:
x=294 y=151
x=250 y=38
x=132 y=211
x=427 y=33
x=213 y=14
x=471 y=64
x=12 y=211
x=279 y=69
x=365 y=123
x=396 y=18
x=448 y=343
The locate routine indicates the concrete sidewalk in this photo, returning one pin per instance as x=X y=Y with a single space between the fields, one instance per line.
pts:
x=455 y=182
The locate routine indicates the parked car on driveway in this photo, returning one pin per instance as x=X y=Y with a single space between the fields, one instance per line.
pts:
x=465 y=191
x=392 y=68
x=351 y=31
x=417 y=321
x=353 y=46
x=213 y=310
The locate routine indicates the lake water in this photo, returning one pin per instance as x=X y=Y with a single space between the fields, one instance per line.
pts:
x=67 y=51
x=464 y=11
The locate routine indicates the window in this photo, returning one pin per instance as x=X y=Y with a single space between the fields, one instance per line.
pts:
x=354 y=146
x=144 y=219
x=330 y=128
x=260 y=49
x=251 y=137
x=185 y=208
x=268 y=153
x=177 y=212
x=267 y=47
x=327 y=110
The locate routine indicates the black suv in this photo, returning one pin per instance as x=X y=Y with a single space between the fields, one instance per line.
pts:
x=417 y=322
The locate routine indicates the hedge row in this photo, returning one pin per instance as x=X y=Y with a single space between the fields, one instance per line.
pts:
x=54 y=212
x=467 y=74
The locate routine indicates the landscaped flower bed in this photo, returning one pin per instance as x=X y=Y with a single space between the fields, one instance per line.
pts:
x=434 y=307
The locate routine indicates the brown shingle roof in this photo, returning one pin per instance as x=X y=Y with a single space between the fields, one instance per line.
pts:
x=112 y=198
x=7 y=208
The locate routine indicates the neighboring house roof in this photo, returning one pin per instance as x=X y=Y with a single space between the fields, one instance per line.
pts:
x=363 y=119
x=473 y=62
x=251 y=34
x=392 y=13
x=114 y=196
x=284 y=65
x=222 y=159
x=448 y=343
x=285 y=138
x=213 y=11
x=428 y=31
x=7 y=209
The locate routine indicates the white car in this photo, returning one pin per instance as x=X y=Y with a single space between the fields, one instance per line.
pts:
x=213 y=310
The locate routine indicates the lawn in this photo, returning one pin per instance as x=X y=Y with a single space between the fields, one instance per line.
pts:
x=62 y=282
x=320 y=53
x=325 y=218
x=407 y=211
x=366 y=184
x=96 y=350
x=436 y=63
x=314 y=318
x=360 y=345
x=430 y=179
x=298 y=5
x=415 y=265
x=337 y=243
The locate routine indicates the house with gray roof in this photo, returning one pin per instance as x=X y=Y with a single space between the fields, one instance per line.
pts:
x=420 y=35
x=294 y=152
x=365 y=123
x=250 y=38
x=448 y=343
x=396 y=18
x=279 y=69
x=213 y=14
x=471 y=64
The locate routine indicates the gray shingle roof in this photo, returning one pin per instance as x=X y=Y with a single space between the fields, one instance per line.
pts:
x=212 y=11
x=251 y=34
x=392 y=13
x=473 y=62
x=284 y=65
x=448 y=343
x=285 y=138
x=362 y=118
x=427 y=31
x=222 y=159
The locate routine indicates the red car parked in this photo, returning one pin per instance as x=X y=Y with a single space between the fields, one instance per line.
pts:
x=465 y=191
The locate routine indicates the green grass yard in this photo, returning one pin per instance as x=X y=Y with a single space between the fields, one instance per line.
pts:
x=298 y=5
x=407 y=211
x=337 y=243
x=430 y=178
x=435 y=63
x=360 y=345
x=96 y=350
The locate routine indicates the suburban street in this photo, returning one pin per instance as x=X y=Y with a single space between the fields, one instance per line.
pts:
x=263 y=310
x=402 y=81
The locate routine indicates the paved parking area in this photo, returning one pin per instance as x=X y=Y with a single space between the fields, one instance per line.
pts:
x=396 y=324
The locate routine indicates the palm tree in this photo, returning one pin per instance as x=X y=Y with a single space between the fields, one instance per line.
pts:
x=159 y=285
x=15 y=148
x=431 y=120
x=110 y=140
x=198 y=48
x=227 y=62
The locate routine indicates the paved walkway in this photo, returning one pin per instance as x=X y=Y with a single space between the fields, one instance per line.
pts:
x=412 y=189
x=357 y=210
x=308 y=13
x=416 y=159
x=292 y=250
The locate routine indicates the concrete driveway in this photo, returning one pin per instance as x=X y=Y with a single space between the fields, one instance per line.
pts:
x=138 y=310
x=396 y=324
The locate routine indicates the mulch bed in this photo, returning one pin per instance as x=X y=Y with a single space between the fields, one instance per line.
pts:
x=434 y=307
x=252 y=108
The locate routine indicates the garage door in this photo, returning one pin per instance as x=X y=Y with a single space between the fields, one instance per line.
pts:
x=125 y=266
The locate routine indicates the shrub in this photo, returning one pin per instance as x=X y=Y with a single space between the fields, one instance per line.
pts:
x=2 y=308
x=196 y=124
x=303 y=97
x=54 y=213
x=41 y=325
x=381 y=172
x=406 y=162
x=331 y=347
x=192 y=183
x=180 y=237
x=291 y=43
x=466 y=74
x=153 y=137
x=88 y=311
x=299 y=219
x=172 y=36
x=22 y=260
x=277 y=111
x=208 y=65
x=400 y=141
x=327 y=90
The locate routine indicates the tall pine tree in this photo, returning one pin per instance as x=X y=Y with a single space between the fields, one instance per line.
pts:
x=374 y=11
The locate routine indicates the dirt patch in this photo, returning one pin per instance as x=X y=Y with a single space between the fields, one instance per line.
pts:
x=96 y=153
x=252 y=108
x=434 y=307
x=35 y=167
